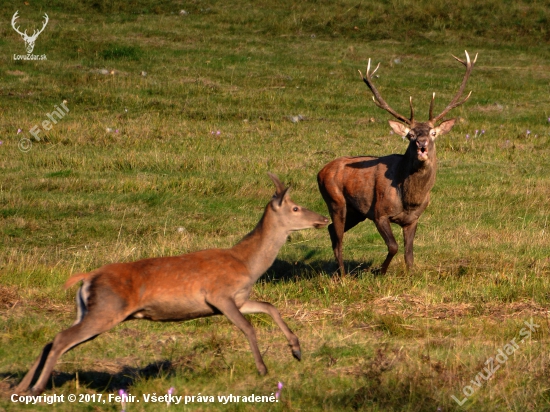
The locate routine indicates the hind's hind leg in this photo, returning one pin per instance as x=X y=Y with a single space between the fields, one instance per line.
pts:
x=91 y=321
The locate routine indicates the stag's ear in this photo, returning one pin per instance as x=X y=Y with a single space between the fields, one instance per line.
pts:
x=445 y=127
x=399 y=128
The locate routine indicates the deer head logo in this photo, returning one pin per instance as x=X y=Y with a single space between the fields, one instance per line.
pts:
x=29 y=40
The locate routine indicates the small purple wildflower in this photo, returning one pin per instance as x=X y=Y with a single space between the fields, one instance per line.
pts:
x=467 y=136
x=170 y=392
x=549 y=120
x=483 y=131
x=19 y=131
x=218 y=133
x=391 y=131
x=1 y=142
x=116 y=131
x=528 y=132
x=122 y=393
x=477 y=131
x=279 y=388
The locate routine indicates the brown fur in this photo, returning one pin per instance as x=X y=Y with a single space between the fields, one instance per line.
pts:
x=177 y=288
x=389 y=189
x=75 y=278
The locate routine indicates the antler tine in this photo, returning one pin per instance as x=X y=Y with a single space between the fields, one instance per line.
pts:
x=377 y=97
x=47 y=19
x=467 y=59
x=456 y=100
x=412 y=110
x=432 y=105
x=13 y=19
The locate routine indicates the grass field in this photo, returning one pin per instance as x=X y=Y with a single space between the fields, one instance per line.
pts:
x=178 y=109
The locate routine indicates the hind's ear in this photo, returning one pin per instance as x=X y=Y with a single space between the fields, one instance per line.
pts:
x=278 y=184
x=279 y=198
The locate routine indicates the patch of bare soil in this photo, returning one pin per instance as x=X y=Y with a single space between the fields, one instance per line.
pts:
x=8 y=297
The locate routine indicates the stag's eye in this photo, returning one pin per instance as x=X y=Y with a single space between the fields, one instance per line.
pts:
x=295 y=208
x=433 y=133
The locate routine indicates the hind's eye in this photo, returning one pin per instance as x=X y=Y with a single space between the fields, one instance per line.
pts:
x=295 y=208
x=433 y=133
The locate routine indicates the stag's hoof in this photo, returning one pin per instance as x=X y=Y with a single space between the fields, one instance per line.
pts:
x=378 y=272
x=262 y=371
x=297 y=354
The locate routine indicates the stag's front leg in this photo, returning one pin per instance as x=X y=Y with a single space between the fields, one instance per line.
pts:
x=384 y=228
x=408 y=235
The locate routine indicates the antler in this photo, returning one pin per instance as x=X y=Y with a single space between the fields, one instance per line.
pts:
x=34 y=34
x=455 y=102
x=379 y=101
x=15 y=17
x=47 y=19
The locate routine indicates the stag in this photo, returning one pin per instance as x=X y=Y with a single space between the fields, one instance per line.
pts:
x=29 y=40
x=195 y=285
x=388 y=189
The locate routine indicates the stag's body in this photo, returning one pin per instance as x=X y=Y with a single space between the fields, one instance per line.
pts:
x=190 y=286
x=389 y=189
x=356 y=188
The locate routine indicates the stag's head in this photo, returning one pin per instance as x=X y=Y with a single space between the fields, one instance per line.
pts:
x=29 y=40
x=421 y=135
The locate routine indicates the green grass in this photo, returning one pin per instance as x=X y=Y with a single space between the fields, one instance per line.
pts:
x=137 y=169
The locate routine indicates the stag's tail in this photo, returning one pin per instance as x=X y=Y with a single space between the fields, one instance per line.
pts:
x=75 y=278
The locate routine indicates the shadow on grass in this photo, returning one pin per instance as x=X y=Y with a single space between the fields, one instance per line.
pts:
x=103 y=381
x=283 y=271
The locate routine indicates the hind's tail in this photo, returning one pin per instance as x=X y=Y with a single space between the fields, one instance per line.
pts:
x=75 y=278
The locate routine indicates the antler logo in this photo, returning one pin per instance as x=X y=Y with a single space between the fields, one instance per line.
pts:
x=29 y=40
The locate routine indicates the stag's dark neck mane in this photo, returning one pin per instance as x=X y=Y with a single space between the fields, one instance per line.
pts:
x=418 y=177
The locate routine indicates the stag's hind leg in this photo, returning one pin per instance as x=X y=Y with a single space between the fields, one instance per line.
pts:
x=336 y=232
x=252 y=306
x=343 y=219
